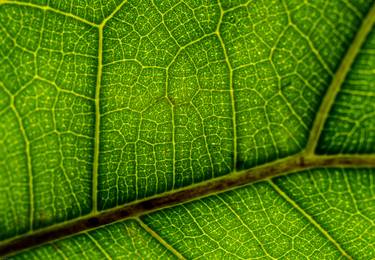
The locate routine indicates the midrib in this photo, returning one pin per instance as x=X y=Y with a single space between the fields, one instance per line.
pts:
x=233 y=180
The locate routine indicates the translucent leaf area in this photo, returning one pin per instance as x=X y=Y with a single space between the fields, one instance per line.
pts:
x=268 y=105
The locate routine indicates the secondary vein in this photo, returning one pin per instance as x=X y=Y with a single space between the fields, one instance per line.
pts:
x=159 y=238
x=97 y=123
x=106 y=19
x=231 y=86
x=338 y=80
x=48 y=8
x=309 y=218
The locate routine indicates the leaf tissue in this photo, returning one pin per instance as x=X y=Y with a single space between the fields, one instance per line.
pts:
x=229 y=129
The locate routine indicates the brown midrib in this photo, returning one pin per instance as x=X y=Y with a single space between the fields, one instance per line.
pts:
x=236 y=179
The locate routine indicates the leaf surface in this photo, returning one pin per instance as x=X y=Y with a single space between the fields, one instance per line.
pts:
x=117 y=110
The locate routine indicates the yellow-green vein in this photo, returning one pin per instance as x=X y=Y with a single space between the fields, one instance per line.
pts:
x=48 y=8
x=159 y=239
x=338 y=80
x=231 y=86
x=95 y=168
x=309 y=218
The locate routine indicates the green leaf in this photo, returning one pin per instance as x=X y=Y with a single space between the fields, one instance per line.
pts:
x=128 y=127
